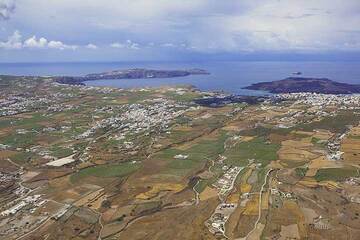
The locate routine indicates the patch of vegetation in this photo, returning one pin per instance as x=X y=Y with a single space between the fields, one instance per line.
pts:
x=261 y=174
x=201 y=185
x=197 y=154
x=32 y=122
x=121 y=218
x=265 y=131
x=335 y=174
x=258 y=149
x=139 y=96
x=120 y=170
x=5 y=123
x=204 y=183
x=301 y=171
x=20 y=140
x=80 y=146
x=354 y=137
x=299 y=135
x=186 y=97
x=106 y=204
x=21 y=157
x=318 y=142
x=110 y=143
x=332 y=123
x=215 y=121
x=182 y=120
x=294 y=164
x=146 y=208
x=61 y=152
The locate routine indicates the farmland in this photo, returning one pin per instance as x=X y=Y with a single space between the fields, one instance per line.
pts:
x=80 y=162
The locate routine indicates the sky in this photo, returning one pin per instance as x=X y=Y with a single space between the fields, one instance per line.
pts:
x=172 y=30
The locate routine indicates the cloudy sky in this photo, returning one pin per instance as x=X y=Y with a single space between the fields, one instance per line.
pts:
x=129 y=30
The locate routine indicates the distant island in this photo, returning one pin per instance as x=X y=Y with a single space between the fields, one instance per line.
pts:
x=135 y=73
x=301 y=84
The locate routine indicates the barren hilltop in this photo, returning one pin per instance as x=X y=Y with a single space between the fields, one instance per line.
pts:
x=301 y=84
x=135 y=73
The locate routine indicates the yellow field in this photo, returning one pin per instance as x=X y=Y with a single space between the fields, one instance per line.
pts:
x=323 y=134
x=351 y=149
x=92 y=197
x=252 y=206
x=208 y=193
x=233 y=198
x=312 y=183
x=292 y=150
x=159 y=187
x=321 y=162
x=265 y=201
x=245 y=188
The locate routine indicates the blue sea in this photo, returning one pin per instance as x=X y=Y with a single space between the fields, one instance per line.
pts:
x=225 y=76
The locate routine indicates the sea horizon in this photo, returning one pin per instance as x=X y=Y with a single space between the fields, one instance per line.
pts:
x=226 y=76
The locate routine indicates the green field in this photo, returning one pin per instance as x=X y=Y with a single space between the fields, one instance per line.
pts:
x=186 y=97
x=318 y=142
x=120 y=170
x=265 y=131
x=336 y=174
x=198 y=154
x=301 y=171
x=259 y=149
x=61 y=152
x=22 y=157
x=336 y=123
x=20 y=140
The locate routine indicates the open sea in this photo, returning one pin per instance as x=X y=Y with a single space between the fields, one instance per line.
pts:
x=224 y=76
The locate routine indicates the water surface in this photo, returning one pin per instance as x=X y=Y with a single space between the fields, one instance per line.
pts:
x=225 y=76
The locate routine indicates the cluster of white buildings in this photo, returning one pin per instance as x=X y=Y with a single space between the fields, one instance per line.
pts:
x=15 y=104
x=60 y=107
x=181 y=156
x=299 y=116
x=226 y=183
x=4 y=146
x=104 y=90
x=138 y=118
x=333 y=147
x=322 y=100
x=286 y=195
x=34 y=200
x=7 y=177
x=216 y=223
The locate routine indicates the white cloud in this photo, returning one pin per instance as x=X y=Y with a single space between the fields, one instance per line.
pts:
x=204 y=25
x=117 y=45
x=281 y=26
x=13 y=41
x=128 y=44
x=60 y=45
x=168 y=45
x=91 y=46
x=132 y=45
x=34 y=43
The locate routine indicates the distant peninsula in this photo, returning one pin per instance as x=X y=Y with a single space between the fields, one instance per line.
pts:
x=135 y=73
x=301 y=84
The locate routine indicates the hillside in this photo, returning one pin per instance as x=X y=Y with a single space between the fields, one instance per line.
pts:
x=135 y=73
x=300 y=84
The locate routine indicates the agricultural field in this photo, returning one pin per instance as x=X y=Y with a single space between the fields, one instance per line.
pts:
x=80 y=162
